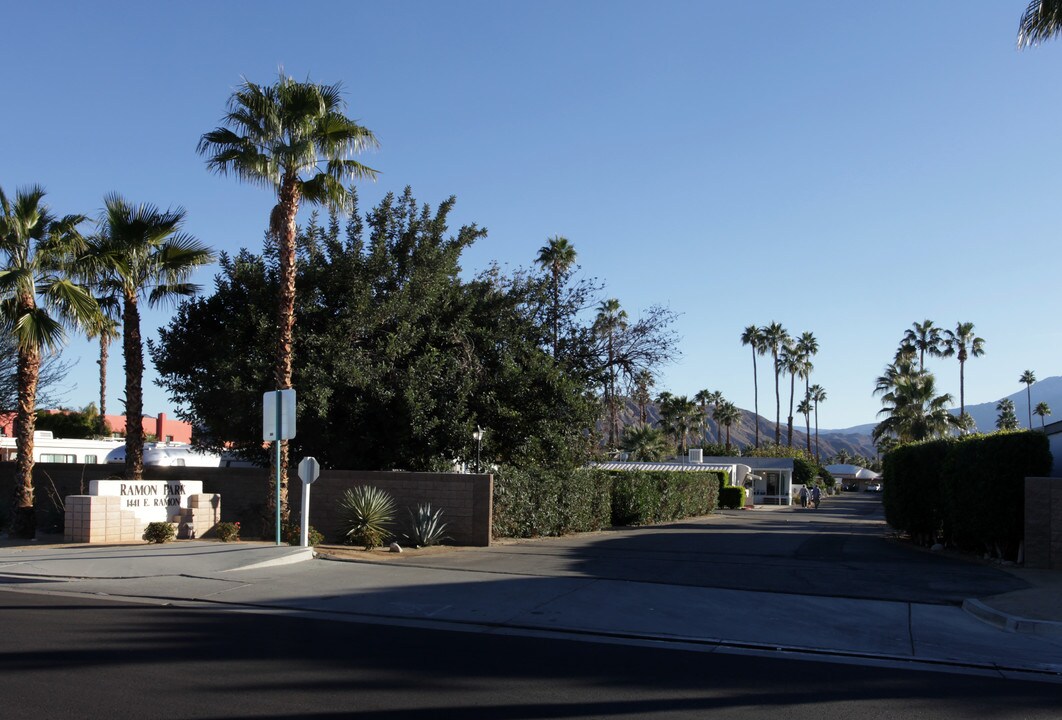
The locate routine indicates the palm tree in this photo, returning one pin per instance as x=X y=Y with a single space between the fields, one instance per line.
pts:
x=925 y=338
x=703 y=398
x=294 y=138
x=1043 y=410
x=714 y=399
x=775 y=338
x=915 y=411
x=726 y=414
x=753 y=337
x=610 y=321
x=37 y=297
x=796 y=362
x=557 y=256
x=808 y=347
x=817 y=394
x=1041 y=21
x=141 y=253
x=643 y=383
x=1006 y=420
x=644 y=443
x=963 y=344
x=805 y=408
x=1028 y=378
x=105 y=328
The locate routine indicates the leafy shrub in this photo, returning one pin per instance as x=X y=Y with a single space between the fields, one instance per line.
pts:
x=292 y=535
x=640 y=498
x=530 y=502
x=732 y=497
x=426 y=527
x=228 y=531
x=159 y=532
x=366 y=513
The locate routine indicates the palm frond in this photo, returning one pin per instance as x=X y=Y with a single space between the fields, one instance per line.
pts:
x=1042 y=20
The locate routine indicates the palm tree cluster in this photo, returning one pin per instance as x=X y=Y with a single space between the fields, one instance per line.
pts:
x=789 y=356
x=1007 y=419
x=913 y=408
x=54 y=278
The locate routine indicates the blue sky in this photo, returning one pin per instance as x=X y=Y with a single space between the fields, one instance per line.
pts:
x=843 y=168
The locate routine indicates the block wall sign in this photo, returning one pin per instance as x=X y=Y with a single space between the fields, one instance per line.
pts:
x=149 y=500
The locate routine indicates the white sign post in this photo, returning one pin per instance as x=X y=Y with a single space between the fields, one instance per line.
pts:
x=278 y=423
x=309 y=470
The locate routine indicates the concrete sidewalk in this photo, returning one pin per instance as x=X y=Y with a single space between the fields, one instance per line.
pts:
x=407 y=590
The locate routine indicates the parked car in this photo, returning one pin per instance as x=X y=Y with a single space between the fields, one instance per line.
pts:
x=874 y=487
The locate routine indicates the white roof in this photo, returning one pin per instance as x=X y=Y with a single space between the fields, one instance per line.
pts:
x=852 y=471
x=649 y=466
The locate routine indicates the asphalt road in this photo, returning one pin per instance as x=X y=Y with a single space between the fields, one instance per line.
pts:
x=839 y=550
x=66 y=657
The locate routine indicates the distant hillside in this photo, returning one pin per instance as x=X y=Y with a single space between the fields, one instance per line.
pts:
x=743 y=433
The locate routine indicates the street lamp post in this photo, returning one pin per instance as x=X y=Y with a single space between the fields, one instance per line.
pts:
x=478 y=436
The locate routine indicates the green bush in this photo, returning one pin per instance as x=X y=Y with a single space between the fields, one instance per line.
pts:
x=642 y=498
x=159 y=532
x=984 y=489
x=228 y=531
x=291 y=534
x=367 y=512
x=912 y=496
x=530 y=502
x=732 y=497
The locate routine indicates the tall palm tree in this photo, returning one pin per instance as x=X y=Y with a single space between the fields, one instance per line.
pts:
x=141 y=253
x=925 y=338
x=796 y=362
x=963 y=344
x=611 y=320
x=294 y=138
x=753 y=337
x=808 y=347
x=804 y=408
x=726 y=414
x=714 y=399
x=775 y=338
x=1042 y=410
x=37 y=298
x=644 y=443
x=817 y=394
x=1042 y=20
x=1028 y=378
x=557 y=256
x=643 y=383
x=105 y=329
x=1006 y=420
x=703 y=398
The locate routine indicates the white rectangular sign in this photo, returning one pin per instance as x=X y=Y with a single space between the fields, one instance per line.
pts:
x=287 y=415
x=149 y=500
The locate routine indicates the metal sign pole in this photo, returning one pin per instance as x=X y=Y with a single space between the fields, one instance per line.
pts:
x=278 y=467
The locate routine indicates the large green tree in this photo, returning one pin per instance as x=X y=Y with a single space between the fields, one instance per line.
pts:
x=292 y=137
x=398 y=359
x=914 y=410
x=775 y=338
x=1042 y=410
x=141 y=253
x=817 y=394
x=924 y=337
x=37 y=298
x=1007 y=419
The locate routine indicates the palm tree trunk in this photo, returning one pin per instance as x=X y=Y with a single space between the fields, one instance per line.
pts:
x=792 y=392
x=133 y=350
x=777 y=406
x=282 y=226
x=807 y=429
x=105 y=341
x=756 y=395
x=817 y=432
x=1028 y=395
x=25 y=520
x=962 y=388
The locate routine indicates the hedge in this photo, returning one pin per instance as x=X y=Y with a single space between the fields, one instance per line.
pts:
x=732 y=497
x=534 y=502
x=984 y=489
x=913 y=495
x=969 y=492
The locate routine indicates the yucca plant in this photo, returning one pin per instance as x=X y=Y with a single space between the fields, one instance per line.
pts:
x=367 y=512
x=426 y=527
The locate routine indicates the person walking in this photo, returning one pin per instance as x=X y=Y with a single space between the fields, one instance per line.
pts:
x=816 y=495
x=804 y=497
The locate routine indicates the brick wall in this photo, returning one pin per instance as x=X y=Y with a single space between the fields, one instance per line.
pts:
x=464 y=499
x=1043 y=523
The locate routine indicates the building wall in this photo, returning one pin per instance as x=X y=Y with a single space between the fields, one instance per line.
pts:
x=162 y=427
x=464 y=499
x=1043 y=523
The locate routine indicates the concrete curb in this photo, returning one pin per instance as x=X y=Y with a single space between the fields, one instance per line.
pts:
x=1012 y=623
x=296 y=555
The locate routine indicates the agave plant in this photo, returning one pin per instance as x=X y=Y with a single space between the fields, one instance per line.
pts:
x=367 y=512
x=426 y=527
